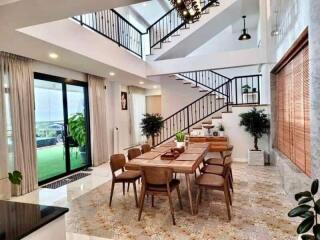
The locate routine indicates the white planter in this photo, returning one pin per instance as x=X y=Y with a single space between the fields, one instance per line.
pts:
x=255 y=158
x=180 y=144
x=221 y=133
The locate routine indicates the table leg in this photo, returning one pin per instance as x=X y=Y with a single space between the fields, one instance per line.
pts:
x=189 y=192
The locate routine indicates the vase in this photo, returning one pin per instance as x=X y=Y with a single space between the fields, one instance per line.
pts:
x=180 y=144
x=221 y=133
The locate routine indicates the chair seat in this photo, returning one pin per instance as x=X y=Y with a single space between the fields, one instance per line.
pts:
x=128 y=175
x=163 y=187
x=217 y=161
x=210 y=180
x=213 y=169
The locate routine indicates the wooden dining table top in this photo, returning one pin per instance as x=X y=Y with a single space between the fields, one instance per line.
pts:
x=187 y=162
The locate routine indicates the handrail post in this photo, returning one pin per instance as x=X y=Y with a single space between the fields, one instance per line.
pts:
x=81 y=22
x=196 y=79
x=236 y=86
x=188 y=122
x=228 y=97
x=118 y=30
x=259 y=90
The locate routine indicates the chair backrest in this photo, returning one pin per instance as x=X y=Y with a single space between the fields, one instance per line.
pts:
x=133 y=153
x=228 y=150
x=156 y=175
x=117 y=161
x=145 y=148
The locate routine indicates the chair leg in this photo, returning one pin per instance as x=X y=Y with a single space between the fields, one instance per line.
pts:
x=128 y=187
x=231 y=175
x=171 y=208
x=142 y=195
x=111 y=193
x=135 y=193
x=229 y=194
x=152 y=200
x=179 y=196
x=198 y=199
x=230 y=182
x=123 y=188
x=227 y=200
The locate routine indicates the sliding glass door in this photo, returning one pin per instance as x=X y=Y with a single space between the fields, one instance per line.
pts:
x=62 y=127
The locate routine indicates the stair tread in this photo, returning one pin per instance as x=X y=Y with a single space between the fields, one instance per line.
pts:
x=207 y=122
x=186 y=83
x=217 y=117
x=197 y=128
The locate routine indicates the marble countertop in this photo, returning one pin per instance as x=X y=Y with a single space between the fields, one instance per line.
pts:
x=18 y=220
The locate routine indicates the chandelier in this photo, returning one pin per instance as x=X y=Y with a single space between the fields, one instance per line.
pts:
x=190 y=10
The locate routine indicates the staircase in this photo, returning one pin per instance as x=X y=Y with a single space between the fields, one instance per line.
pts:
x=221 y=94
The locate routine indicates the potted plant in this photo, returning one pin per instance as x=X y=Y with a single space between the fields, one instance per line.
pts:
x=15 y=178
x=77 y=131
x=221 y=130
x=245 y=88
x=308 y=209
x=180 y=137
x=151 y=125
x=257 y=123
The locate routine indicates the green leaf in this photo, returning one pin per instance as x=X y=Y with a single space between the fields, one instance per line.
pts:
x=302 y=194
x=306 y=225
x=307 y=214
x=307 y=237
x=297 y=211
x=15 y=177
x=317 y=206
x=316 y=231
x=314 y=187
x=305 y=200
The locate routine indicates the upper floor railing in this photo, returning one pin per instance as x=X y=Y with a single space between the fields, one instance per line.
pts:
x=112 y=25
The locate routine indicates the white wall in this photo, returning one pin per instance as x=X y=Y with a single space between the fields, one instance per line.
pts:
x=238 y=137
x=176 y=95
x=293 y=19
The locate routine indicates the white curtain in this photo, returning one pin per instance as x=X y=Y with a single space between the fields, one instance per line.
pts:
x=19 y=72
x=137 y=108
x=98 y=119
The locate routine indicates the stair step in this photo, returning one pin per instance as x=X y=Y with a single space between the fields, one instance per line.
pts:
x=227 y=112
x=179 y=79
x=217 y=117
x=197 y=128
x=186 y=83
x=203 y=91
x=207 y=122
x=220 y=98
x=194 y=86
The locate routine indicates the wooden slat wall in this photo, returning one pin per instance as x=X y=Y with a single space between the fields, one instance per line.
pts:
x=293 y=111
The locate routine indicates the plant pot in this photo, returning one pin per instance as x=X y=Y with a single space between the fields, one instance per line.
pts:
x=180 y=144
x=15 y=190
x=255 y=158
x=254 y=90
x=221 y=133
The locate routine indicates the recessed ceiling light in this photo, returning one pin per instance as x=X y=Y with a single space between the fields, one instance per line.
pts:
x=112 y=73
x=155 y=86
x=141 y=82
x=53 y=55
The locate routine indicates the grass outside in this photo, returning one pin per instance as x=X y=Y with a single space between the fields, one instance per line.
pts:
x=51 y=161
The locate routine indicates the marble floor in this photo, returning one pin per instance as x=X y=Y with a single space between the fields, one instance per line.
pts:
x=259 y=211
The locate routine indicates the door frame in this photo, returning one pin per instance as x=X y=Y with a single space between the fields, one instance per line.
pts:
x=65 y=82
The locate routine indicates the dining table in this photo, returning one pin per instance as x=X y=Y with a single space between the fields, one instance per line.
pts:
x=187 y=162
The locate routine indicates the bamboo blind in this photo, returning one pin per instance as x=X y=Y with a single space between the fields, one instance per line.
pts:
x=293 y=110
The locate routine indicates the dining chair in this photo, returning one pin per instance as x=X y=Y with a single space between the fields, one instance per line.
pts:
x=145 y=148
x=215 y=182
x=219 y=169
x=133 y=153
x=117 y=163
x=219 y=161
x=159 y=181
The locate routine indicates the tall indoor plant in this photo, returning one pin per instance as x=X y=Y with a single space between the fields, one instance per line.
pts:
x=257 y=123
x=151 y=125
x=77 y=130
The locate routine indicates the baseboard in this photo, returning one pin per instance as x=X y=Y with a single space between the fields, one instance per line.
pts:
x=240 y=160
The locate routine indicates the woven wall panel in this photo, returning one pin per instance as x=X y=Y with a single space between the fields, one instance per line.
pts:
x=293 y=111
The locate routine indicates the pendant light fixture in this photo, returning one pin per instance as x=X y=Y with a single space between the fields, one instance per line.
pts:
x=244 y=35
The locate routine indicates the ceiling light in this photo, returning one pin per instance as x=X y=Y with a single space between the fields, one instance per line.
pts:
x=53 y=55
x=141 y=83
x=112 y=73
x=244 y=35
x=155 y=86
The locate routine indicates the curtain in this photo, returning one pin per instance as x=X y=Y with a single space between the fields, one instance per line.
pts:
x=98 y=119
x=21 y=91
x=137 y=108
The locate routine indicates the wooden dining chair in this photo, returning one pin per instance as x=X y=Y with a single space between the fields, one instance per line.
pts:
x=145 y=148
x=117 y=163
x=219 y=169
x=219 y=161
x=133 y=153
x=158 y=181
x=215 y=182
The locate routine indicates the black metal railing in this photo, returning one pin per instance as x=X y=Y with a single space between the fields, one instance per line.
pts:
x=169 y=24
x=229 y=92
x=112 y=25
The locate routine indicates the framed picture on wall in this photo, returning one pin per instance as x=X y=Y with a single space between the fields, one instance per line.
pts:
x=124 y=101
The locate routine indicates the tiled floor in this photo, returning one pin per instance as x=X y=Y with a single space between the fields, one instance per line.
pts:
x=259 y=211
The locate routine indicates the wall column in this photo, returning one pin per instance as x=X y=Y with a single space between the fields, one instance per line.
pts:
x=314 y=54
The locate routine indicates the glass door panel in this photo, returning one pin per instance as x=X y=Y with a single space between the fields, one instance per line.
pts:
x=49 y=116
x=77 y=126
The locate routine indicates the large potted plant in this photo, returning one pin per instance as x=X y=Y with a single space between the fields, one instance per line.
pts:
x=257 y=123
x=308 y=209
x=151 y=125
x=77 y=131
